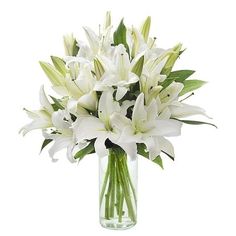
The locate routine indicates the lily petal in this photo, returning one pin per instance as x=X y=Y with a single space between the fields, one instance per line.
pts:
x=59 y=144
x=153 y=147
x=166 y=146
x=89 y=101
x=60 y=119
x=100 y=147
x=92 y=39
x=167 y=128
x=88 y=128
x=185 y=110
x=46 y=105
x=120 y=93
x=130 y=149
x=107 y=106
x=139 y=112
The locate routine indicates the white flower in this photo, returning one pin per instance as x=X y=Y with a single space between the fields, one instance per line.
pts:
x=145 y=127
x=169 y=106
x=118 y=73
x=81 y=87
x=62 y=135
x=41 y=118
x=87 y=128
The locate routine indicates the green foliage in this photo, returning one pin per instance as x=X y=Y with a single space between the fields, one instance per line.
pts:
x=75 y=48
x=45 y=143
x=57 y=105
x=195 y=122
x=138 y=67
x=180 y=75
x=85 y=151
x=191 y=85
x=177 y=76
x=119 y=36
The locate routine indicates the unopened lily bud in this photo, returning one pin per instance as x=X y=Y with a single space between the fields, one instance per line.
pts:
x=145 y=28
x=107 y=20
x=98 y=68
x=70 y=45
x=171 y=59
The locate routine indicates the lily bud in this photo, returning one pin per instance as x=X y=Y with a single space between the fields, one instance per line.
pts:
x=98 y=68
x=136 y=42
x=145 y=28
x=70 y=45
x=107 y=20
x=171 y=59
x=52 y=73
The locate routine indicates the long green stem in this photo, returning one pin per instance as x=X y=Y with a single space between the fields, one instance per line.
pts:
x=120 y=196
x=107 y=196
x=118 y=190
x=126 y=191
x=113 y=185
x=105 y=182
x=130 y=180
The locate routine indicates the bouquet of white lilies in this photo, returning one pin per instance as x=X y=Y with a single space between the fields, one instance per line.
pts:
x=118 y=97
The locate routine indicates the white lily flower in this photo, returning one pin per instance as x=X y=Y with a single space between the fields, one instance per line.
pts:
x=119 y=74
x=145 y=127
x=41 y=118
x=81 y=88
x=169 y=106
x=170 y=94
x=90 y=127
x=62 y=136
x=168 y=97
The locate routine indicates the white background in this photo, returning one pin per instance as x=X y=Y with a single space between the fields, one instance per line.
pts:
x=195 y=195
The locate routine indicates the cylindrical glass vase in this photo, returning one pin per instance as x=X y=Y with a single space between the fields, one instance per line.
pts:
x=118 y=190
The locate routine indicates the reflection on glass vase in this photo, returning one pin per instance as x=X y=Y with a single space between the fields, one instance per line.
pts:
x=118 y=190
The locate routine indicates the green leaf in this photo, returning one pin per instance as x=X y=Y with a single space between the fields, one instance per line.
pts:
x=166 y=83
x=177 y=76
x=85 y=151
x=59 y=64
x=54 y=76
x=180 y=75
x=142 y=151
x=45 y=143
x=75 y=48
x=191 y=85
x=57 y=105
x=182 y=51
x=146 y=28
x=138 y=67
x=158 y=161
x=171 y=60
x=99 y=69
x=119 y=36
x=195 y=122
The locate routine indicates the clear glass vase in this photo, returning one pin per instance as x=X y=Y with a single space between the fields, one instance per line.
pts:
x=118 y=190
